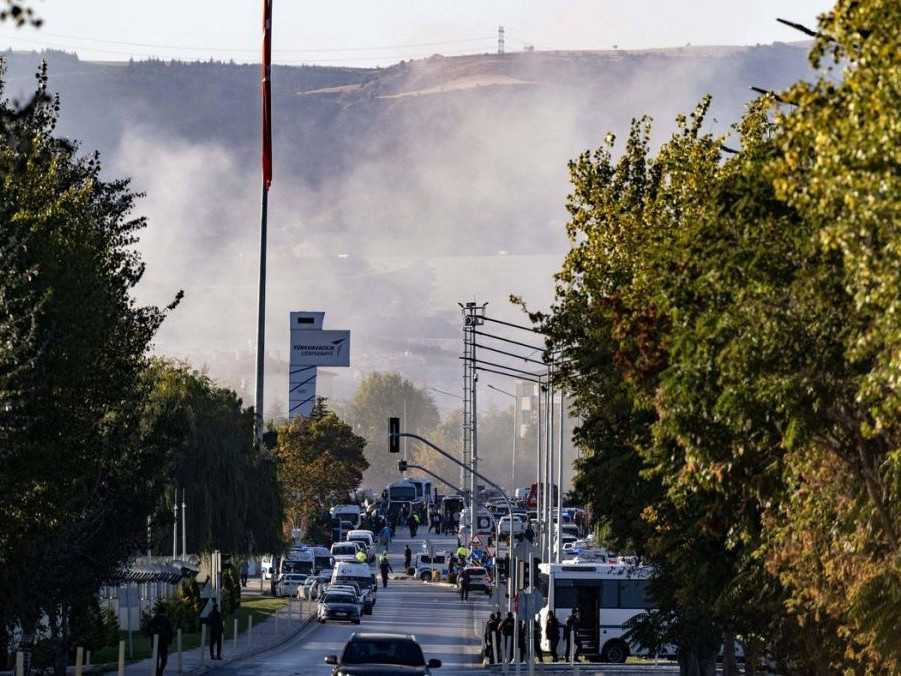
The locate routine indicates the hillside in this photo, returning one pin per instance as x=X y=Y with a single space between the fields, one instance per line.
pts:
x=395 y=188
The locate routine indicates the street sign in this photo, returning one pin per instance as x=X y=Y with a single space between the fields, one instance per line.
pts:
x=320 y=348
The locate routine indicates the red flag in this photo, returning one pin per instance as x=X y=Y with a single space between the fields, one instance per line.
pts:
x=266 y=86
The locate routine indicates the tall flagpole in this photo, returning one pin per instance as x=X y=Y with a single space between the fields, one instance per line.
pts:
x=266 y=95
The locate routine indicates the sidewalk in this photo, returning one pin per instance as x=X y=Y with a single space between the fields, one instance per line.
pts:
x=280 y=628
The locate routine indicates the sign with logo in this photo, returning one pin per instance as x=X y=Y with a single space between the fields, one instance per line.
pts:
x=320 y=348
x=311 y=347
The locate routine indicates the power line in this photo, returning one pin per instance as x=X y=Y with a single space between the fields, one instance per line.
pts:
x=310 y=50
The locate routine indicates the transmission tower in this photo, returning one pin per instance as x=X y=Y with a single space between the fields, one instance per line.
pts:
x=500 y=40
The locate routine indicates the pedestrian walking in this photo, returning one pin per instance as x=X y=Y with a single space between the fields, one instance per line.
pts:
x=408 y=558
x=161 y=627
x=507 y=628
x=571 y=630
x=414 y=524
x=384 y=568
x=245 y=572
x=552 y=633
x=491 y=637
x=217 y=628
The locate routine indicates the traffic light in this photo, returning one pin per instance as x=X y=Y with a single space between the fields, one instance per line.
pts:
x=402 y=466
x=394 y=435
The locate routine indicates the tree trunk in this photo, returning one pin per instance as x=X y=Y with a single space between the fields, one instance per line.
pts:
x=59 y=630
x=688 y=664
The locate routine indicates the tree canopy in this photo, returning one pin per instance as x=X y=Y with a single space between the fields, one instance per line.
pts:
x=730 y=333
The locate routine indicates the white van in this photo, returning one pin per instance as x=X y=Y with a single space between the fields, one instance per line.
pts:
x=361 y=573
x=351 y=513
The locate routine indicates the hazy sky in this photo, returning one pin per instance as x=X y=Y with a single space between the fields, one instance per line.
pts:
x=367 y=32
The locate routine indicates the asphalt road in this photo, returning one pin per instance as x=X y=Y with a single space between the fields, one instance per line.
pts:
x=446 y=627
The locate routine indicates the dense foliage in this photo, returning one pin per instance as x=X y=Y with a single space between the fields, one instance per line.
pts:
x=78 y=480
x=731 y=334
x=320 y=462
x=229 y=484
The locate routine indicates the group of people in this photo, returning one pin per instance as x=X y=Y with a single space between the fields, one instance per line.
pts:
x=161 y=626
x=499 y=637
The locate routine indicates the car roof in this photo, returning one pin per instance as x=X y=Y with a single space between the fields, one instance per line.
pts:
x=375 y=636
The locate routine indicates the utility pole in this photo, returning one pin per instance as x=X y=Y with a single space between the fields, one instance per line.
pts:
x=560 y=476
x=175 y=527
x=184 y=532
x=473 y=317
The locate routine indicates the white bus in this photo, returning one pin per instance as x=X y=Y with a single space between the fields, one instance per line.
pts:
x=607 y=595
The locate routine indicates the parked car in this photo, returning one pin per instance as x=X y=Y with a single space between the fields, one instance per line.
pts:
x=339 y=604
x=382 y=653
x=288 y=584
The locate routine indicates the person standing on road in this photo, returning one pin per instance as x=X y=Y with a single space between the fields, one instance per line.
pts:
x=245 y=572
x=464 y=585
x=217 y=628
x=414 y=524
x=492 y=638
x=530 y=533
x=408 y=557
x=507 y=628
x=384 y=568
x=536 y=639
x=552 y=633
x=161 y=627
x=571 y=630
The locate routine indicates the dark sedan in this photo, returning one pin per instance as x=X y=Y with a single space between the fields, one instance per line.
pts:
x=339 y=606
x=382 y=654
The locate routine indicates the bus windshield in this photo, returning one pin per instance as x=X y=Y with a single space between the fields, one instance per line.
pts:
x=402 y=494
x=304 y=567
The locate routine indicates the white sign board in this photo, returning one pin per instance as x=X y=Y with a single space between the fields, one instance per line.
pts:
x=319 y=348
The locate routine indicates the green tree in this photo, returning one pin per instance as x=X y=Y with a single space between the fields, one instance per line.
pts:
x=379 y=397
x=320 y=462
x=78 y=480
x=230 y=486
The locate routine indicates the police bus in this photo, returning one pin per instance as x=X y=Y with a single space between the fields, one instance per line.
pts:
x=607 y=596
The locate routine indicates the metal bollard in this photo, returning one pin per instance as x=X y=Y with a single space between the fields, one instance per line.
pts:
x=79 y=661
x=235 y=636
x=494 y=646
x=87 y=658
x=179 y=664
x=20 y=663
x=202 y=643
x=250 y=631
x=120 y=666
x=154 y=655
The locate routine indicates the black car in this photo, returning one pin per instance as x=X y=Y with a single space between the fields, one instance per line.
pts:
x=339 y=605
x=382 y=654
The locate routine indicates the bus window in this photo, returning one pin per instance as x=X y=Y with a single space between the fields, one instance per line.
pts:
x=634 y=594
x=565 y=594
x=610 y=594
